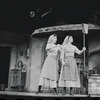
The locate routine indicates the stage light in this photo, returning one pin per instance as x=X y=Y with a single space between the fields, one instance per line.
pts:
x=32 y=13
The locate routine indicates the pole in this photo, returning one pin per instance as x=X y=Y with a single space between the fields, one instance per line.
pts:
x=85 y=31
x=84 y=51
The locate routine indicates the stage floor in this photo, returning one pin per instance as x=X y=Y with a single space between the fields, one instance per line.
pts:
x=9 y=95
x=39 y=95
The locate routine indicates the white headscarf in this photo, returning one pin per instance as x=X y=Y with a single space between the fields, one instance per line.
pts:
x=51 y=37
x=65 y=40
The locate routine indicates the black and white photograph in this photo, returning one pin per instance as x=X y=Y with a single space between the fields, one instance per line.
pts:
x=49 y=49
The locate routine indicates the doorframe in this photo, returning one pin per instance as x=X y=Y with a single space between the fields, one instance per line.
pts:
x=7 y=45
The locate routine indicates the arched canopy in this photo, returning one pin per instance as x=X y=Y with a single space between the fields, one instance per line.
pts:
x=70 y=27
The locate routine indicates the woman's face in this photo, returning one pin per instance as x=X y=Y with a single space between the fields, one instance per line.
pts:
x=55 y=39
x=71 y=39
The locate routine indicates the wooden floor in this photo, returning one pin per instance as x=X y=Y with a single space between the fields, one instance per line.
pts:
x=8 y=95
x=39 y=95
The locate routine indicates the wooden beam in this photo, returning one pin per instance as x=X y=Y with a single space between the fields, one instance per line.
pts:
x=64 y=28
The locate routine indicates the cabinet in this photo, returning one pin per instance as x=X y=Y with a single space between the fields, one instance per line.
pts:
x=94 y=84
x=18 y=79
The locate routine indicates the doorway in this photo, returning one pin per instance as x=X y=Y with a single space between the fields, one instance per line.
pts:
x=4 y=65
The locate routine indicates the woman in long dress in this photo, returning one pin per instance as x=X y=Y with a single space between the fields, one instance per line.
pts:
x=69 y=76
x=49 y=72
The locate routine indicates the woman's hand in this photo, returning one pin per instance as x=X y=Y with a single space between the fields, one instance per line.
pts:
x=63 y=63
x=58 y=46
x=84 y=48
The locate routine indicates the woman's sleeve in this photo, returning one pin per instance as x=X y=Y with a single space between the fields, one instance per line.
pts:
x=77 y=50
x=49 y=46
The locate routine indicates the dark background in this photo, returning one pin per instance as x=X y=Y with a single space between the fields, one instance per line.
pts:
x=15 y=14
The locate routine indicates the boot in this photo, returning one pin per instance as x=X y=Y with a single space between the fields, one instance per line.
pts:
x=55 y=91
x=39 y=89
x=64 y=93
x=71 y=91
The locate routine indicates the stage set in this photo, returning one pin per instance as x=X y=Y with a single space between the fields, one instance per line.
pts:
x=27 y=58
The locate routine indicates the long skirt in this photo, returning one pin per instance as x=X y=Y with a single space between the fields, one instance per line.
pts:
x=49 y=72
x=69 y=76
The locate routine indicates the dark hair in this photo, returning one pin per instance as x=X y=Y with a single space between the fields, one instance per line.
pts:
x=55 y=35
x=68 y=38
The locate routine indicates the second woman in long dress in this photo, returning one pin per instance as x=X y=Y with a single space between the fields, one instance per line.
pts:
x=69 y=76
x=49 y=72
